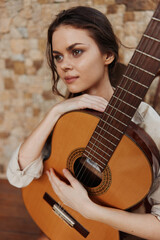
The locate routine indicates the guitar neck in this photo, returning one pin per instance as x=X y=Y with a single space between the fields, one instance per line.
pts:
x=131 y=90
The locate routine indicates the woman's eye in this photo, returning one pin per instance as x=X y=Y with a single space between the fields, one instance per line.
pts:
x=77 y=52
x=58 y=58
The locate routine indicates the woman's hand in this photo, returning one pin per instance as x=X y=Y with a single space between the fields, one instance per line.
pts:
x=146 y=226
x=81 y=102
x=74 y=195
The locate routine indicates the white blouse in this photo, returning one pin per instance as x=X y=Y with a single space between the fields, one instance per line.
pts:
x=146 y=117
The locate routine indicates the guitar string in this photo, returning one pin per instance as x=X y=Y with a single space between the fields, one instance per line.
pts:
x=125 y=84
x=137 y=61
x=113 y=107
x=155 y=59
x=150 y=21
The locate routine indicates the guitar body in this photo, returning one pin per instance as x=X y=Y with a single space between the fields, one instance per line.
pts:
x=124 y=183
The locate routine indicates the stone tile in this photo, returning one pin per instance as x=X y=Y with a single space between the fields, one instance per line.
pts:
x=9 y=63
x=98 y=2
x=5 y=25
x=8 y=83
x=19 y=45
x=128 y=16
x=4 y=135
x=112 y=9
x=19 y=67
x=38 y=64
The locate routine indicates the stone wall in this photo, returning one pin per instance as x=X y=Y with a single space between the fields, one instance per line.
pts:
x=25 y=79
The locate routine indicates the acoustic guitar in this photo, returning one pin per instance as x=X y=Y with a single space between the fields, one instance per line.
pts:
x=109 y=155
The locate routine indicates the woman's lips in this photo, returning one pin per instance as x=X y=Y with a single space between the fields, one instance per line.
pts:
x=70 y=79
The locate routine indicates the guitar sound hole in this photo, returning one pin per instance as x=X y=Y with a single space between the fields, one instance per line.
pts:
x=87 y=172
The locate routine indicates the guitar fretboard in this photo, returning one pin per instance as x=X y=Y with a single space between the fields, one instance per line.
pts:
x=138 y=77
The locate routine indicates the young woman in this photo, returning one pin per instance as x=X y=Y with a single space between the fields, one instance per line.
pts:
x=82 y=51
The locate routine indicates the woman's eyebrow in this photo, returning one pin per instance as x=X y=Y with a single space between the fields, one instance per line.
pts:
x=70 y=47
x=73 y=45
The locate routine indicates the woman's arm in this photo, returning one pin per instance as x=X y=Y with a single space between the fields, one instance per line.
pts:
x=145 y=226
x=75 y=196
x=31 y=149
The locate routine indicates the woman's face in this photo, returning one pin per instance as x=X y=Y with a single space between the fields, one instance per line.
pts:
x=78 y=60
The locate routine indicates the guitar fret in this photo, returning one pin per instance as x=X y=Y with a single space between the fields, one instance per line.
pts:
x=98 y=153
x=115 y=119
x=135 y=81
x=107 y=141
x=100 y=149
x=111 y=125
x=125 y=102
x=156 y=19
x=157 y=59
x=141 y=69
x=107 y=132
x=129 y=92
x=154 y=39
x=93 y=157
x=120 y=112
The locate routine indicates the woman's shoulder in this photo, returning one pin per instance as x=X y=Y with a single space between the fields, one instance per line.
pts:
x=148 y=119
x=148 y=112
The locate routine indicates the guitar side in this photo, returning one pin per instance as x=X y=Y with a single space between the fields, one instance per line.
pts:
x=126 y=181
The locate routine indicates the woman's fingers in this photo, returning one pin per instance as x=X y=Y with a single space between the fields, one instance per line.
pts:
x=73 y=195
x=81 y=102
x=73 y=181
x=54 y=180
x=57 y=182
x=92 y=102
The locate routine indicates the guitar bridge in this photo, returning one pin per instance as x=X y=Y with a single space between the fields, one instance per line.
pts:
x=65 y=216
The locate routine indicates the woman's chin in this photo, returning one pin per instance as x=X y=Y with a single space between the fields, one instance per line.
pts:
x=74 y=90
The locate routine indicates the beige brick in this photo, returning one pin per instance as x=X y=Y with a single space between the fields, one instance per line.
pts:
x=35 y=55
x=30 y=70
x=43 y=1
x=19 y=67
x=128 y=16
x=47 y=95
x=42 y=44
x=4 y=134
x=26 y=12
x=37 y=64
x=139 y=4
x=112 y=9
x=27 y=3
x=19 y=45
x=19 y=21
x=5 y=25
x=27 y=95
x=1 y=118
x=108 y=2
x=9 y=63
x=35 y=30
x=98 y=2
x=36 y=112
x=8 y=83
x=2 y=168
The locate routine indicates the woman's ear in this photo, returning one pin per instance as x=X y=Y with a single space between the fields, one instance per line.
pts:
x=109 y=57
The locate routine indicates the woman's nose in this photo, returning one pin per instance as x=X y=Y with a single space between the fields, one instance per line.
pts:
x=66 y=65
